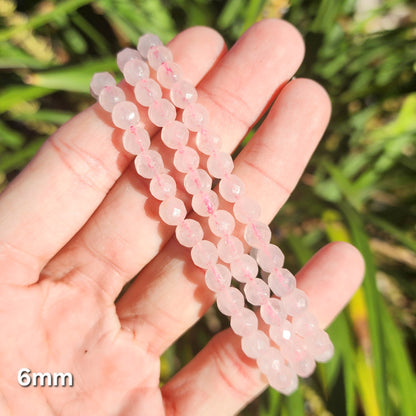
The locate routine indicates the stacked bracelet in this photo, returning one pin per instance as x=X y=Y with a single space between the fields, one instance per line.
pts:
x=298 y=340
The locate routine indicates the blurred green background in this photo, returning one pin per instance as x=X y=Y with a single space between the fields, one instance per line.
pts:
x=360 y=186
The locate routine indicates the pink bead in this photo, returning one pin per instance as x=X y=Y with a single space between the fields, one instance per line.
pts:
x=172 y=211
x=217 y=278
x=296 y=302
x=208 y=142
x=270 y=257
x=257 y=234
x=161 y=112
x=281 y=333
x=270 y=359
x=299 y=358
x=257 y=292
x=244 y=322
x=246 y=210
x=320 y=346
x=283 y=379
x=197 y=181
x=146 y=42
x=134 y=70
x=195 y=116
x=148 y=164
x=186 y=159
x=183 y=93
x=254 y=344
x=221 y=223
x=229 y=301
x=163 y=186
x=168 y=74
x=99 y=81
x=189 y=232
x=273 y=312
x=230 y=248
x=220 y=164
x=205 y=204
x=281 y=282
x=147 y=91
x=125 y=55
x=231 y=188
x=244 y=268
x=306 y=325
x=110 y=96
x=175 y=135
x=157 y=55
x=204 y=254
x=125 y=114
x=136 y=140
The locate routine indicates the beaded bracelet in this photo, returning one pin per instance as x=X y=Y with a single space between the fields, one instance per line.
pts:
x=299 y=340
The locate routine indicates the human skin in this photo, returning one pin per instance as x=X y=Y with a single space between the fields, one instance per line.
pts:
x=78 y=223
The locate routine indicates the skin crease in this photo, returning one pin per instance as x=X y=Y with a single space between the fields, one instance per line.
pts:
x=78 y=223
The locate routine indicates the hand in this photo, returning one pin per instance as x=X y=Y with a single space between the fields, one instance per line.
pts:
x=78 y=223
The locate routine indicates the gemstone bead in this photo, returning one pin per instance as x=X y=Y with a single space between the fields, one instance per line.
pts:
x=257 y=292
x=270 y=257
x=273 y=312
x=189 y=232
x=134 y=70
x=244 y=322
x=110 y=96
x=283 y=379
x=204 y=254
x=254 y=344
x=175 y=135
x=147 y=91
x=161 y=112
x=195 y=116
x=231 y=188
x=125 y=114
x=163 y=186
x=208 y=142
x=172 y=211
x=320 y=346
x=217 y=277
x=157 y=55
x=257 y=234
x=186 y=159
x=221 y=223
x=230 y=248
x=246 y=210
x=229 y=301
x=244 y=268
x=136 y=140
x=306 y=325
x=299 y=358
x=205 y=204
x=168 y=74
x=271 y=358
x=183 y=93
x=126 y=55
x=148 y=164
x=146 y=42
x=99 y=81
x=197 y=181
x=281 y=333
x=281 y=282
x=220 y=164
x=296 y=302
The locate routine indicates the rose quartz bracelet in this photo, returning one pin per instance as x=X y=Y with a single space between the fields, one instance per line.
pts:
x=299 y=340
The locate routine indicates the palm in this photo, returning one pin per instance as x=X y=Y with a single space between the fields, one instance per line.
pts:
x=78 y=224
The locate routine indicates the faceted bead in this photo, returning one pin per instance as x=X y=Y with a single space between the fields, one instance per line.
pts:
x=221 y=223
x=110 y=96
x=163 y=186
x=257 y=234
x=281 y=333
x=189 y=232
x=134 y=70
x=282 y=379
x=161 y=112
x=273 y=312
x=208 y=142
x=257 y=292
x=281 y=282
x=254 y=344
x=197 y=181
x=157 y=55
x=172 y=211
x=229 y=301
x=204 y=254
x=299 y=358
x=195 y=116
x=99 y=81
x=270 y=359
x=244 y=322
x=183 y=93
x=270 y=257
x=125 y=114
x=320 y=346
x=205 y=204
x=168 y=74
x=136 y=140
x=305 y=325
x=231 y=188
x=148 y=164
x=220 y=164
x=175 y=135
x=146 y=42
x=186 y=159
x=244 y=268
x=126 y=55
x=147 y=91
x=246 y=210
x=296 y=302
x=217 y=277
x=230 y=248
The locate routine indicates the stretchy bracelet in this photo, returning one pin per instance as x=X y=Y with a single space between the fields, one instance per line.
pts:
x=294 y=331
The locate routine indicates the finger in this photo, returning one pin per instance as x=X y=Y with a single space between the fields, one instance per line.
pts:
x=221 y=380
x=270 y=166
x=74 y=170
x=117 y=236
